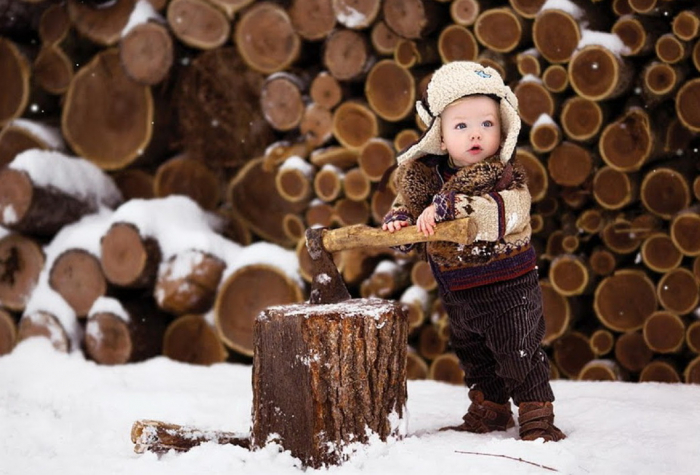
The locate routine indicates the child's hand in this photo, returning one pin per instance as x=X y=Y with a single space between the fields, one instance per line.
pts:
x=394 y=225
x=426 y=221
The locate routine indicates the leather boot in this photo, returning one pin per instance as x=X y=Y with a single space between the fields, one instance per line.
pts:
x=537 y=421
x=484 y=416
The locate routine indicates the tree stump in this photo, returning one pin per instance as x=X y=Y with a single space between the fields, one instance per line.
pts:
x=326 y=376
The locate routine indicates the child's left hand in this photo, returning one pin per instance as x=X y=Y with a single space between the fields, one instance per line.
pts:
x=426 y=221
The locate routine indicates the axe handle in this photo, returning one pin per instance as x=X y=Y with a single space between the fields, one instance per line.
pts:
x=460 y=231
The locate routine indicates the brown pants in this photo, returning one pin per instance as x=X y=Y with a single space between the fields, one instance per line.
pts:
x=496 y=331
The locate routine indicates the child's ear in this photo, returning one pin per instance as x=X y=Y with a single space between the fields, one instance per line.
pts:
x=442 y=145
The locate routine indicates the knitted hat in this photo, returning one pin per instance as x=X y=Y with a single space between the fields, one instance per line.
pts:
x=453 y=81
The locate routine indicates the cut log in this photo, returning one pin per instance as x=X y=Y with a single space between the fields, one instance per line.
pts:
x=556 y=34
x=692 y=336
x=601 y=370
x=356 y=14
x=325 y=90
x=328 y=183
x=447 y=369
x=537 y=177
x=279 y=151
x=259 y=204
x=591 y=221
x=52 y=70
x=529 y=62
x=383 y=39
x=358 y=264
x=659 y=253
x=306 y=266
x=326 y=376
x=570 y=275
x=381 y=204
x=123 y=331
x=572 y=352
x=146 y=52
x=412 y=19
x=688 y=94
x=602 y=342
x=418 y=302
x=685 y=232
x=243 y=295
x=615 y=189
x=294 y=179
x=416 y=367
x=664 y=332
x=20 y=135
x=188 y=281
x=555 y=78
x=134 y=183
x=457 y=43
x=665 y=192
x=686 y=24
x=45 y=325
x=677 y=291
x=316 y=125
x=21 y=262
x=670 y=49
x=281 y=100
x=570 y=164
x=319 y=214
x=127 y=258
x=356 y=185
x=182 y=175
x=110 y=135
x=638 y=33
x=76 y=275
x=691 y=374
x=581 y=118
x=15 y=72
x=696 y=55
x=557 y=313
x=198 y=23
x=622 y=237
x=386 y=280
x=597 y=74
x=430 y=344
x=410 y=53
x=659 y=371
x=8 y=332
x=501 y=29
x=347 y=212
x=407 y=137
x=100 y=25
x=266 y=39
x=355 y=124
x=376 y=157
x=161 y=437
x=646 y=7
x=347 y=55
x=660 y=81
x=422 y=276
x=534 y=100
x=627 y=143
x=390 y=90
x=312 y=19
x=54 y=25
x=193 y=339
x=632 y=352
x=294 y=227
x=615 y=309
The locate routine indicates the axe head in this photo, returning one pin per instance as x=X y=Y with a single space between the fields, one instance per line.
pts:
x=327 y=285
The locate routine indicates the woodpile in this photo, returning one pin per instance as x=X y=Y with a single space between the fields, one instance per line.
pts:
x=277 y=116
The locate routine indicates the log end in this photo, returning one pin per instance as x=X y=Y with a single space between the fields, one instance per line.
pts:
x=107 y=339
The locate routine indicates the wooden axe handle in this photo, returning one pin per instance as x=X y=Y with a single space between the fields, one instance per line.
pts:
x=460 y=231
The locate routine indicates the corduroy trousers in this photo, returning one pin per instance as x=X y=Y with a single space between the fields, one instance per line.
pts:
x=496 y=331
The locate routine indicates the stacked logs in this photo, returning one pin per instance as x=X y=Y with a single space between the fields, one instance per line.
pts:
x=279 y=116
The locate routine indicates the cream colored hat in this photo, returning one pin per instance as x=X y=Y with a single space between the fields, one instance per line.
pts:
x=451 y=82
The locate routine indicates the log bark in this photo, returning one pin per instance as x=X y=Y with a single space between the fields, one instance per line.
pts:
x=390 y=90
x=664 y=332
x=193 y=339
x=15 y=71
x=147 y=52
x=129 y=259
x=77 y=276
x=677 y=291
x=198 y=23
x=111 y=135
x=188 y=282
x=8 y=332
x=341 y=377
x=446 y=368
x=182 y=175
x=21 y=261
x=161 y=437
x=613 y=306
x=243 y=295
x=127 y=330
x=266 y=39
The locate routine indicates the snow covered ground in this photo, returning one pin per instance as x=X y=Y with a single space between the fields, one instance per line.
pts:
x=64 y=415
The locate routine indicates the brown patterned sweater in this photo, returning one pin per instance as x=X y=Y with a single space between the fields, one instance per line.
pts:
x=494 y=195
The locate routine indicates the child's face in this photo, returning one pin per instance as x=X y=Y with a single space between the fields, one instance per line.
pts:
x=471 y=129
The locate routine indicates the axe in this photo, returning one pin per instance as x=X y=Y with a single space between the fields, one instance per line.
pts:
x=327 y=285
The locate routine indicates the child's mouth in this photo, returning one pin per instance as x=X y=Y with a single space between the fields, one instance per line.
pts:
x=475 y=149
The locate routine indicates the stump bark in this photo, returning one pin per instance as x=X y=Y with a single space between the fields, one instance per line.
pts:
x=327 y=376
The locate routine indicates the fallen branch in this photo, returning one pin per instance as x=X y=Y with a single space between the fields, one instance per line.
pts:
x=509 y=457
x=160 y=437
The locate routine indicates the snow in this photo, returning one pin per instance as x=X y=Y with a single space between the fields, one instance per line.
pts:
x=64 y=414
x=142 y=13
x=50 y=136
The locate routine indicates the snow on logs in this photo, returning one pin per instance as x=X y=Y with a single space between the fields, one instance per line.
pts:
x=290 y=114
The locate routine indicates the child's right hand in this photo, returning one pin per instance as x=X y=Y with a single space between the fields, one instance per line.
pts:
x=394 y=225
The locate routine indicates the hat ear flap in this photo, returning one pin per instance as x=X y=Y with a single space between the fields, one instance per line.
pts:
x=423 y=113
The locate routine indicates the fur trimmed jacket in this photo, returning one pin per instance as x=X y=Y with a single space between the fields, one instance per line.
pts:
x=492 y=194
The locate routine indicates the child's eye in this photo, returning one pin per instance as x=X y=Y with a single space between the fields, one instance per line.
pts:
x=461 y=125
x=487 y=123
